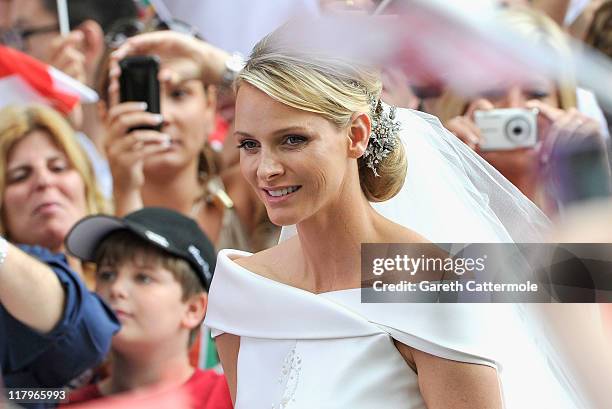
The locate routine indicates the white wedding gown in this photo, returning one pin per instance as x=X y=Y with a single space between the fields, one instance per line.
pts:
x=315 y=351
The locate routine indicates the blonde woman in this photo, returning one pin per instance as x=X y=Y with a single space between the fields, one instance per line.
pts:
x=559 y=120
x=52 y=329
x=319 y=148
x=46 y=180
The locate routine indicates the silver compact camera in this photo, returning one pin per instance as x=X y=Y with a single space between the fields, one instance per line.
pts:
x=505 y=129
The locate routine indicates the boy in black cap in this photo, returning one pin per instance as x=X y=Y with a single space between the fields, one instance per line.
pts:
x=154 y=267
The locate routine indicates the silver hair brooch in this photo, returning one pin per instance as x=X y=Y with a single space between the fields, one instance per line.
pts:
x=383 y=137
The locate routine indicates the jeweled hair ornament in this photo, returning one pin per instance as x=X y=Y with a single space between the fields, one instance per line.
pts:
x=385 y=129
x=383 y=137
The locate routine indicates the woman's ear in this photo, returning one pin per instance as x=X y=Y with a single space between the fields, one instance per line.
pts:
x=196 y=310
x=359 y=134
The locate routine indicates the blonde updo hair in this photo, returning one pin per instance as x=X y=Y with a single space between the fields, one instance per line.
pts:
x=332 y=87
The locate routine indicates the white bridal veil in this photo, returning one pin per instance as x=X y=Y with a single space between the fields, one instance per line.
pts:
x=451 y=195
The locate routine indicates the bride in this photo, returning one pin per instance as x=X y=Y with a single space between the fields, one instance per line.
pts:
x=319 y=147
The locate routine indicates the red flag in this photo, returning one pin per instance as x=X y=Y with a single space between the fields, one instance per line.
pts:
x=24 y=79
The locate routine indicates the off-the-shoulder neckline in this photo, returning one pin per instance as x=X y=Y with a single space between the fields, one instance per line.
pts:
x=226 y=253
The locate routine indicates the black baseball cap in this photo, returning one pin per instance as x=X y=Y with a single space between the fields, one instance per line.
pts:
x=166 y=229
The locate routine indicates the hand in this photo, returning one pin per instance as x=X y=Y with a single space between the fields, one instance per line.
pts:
x=127 y=151
x=519 y=166
x=565 y=134
x=210 y=59
x=558 y=128
x=464 y=127
x=67 y=57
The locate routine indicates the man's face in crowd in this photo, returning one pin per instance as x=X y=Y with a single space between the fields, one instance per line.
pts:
x=39 y=25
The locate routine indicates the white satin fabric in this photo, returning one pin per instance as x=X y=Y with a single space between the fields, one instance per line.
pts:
x=305 y=350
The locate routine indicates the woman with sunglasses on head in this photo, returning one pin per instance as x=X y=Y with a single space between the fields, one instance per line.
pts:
x=559 y=124
x=176 y=167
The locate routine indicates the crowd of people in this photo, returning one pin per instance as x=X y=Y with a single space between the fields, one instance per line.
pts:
x=136 y=247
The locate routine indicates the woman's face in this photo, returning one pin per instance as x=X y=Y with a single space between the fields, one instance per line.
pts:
x=188 y=110
x=295 y=160
x=517 y=96
x=44 y=195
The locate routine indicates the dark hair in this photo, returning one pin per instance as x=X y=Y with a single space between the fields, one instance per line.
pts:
x=104 y=12
x=122 y=245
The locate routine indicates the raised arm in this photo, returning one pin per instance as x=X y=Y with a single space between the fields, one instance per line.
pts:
x=211 y=60
x=29 y=290
x=56 y=327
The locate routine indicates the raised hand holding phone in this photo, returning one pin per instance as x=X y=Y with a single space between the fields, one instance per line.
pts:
x=133 y=124
x=139 y=83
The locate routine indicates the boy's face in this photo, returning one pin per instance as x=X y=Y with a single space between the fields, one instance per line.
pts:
x=147 y=300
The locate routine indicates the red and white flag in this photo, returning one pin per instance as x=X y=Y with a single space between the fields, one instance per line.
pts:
x=25 y=80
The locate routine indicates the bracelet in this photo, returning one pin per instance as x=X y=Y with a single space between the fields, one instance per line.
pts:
x=233 y=66
x=3 y=250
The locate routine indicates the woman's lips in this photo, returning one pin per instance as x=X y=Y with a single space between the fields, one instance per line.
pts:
x=274 y=198
x=46 y=208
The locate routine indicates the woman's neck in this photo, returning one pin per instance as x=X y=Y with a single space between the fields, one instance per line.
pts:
x=331 y=241
x=139 y=369
x=178 y=191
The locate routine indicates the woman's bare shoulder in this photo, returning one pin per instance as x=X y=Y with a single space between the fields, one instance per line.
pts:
x=396 y=233
x=275 y=263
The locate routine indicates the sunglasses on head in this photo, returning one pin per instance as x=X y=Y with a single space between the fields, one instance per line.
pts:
x=123 y=29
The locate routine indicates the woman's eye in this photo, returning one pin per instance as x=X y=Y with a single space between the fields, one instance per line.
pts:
x=247 y=145
x=538 y=94
x=178 y=93
x=17 y=176
x=58 y=167
x=294 y=140
x=493 y=94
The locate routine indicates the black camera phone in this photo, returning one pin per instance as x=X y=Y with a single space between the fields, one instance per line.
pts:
x=139 y=82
